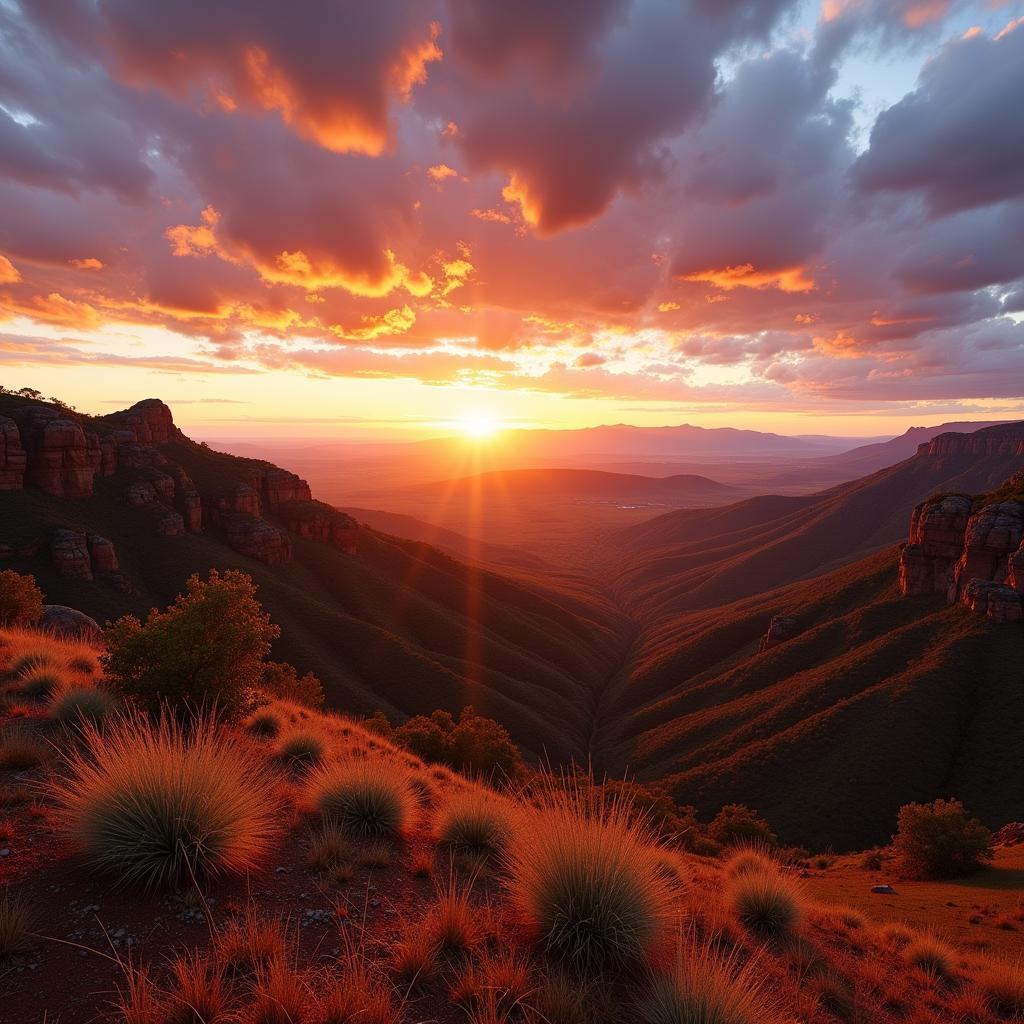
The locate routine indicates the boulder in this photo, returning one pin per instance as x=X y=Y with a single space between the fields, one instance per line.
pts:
x=780 y=629
x=139 y=494
x=69 y=552
x=149 y=422
x=13 y=457
x=101 y=553
x=256 y=538
x=166 y=521
x=63 y=621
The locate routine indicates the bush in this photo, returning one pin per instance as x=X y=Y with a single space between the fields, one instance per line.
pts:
x=21 y=600
x=207 y=647
x=736 y=825
x=301 y=748
x=82 y=702
x=939 y=840
x=588 y=880
x=363 y=799
x=473 y=821
x=766 y=902
x=704 y=989
x=282 y=680
x=161 y=802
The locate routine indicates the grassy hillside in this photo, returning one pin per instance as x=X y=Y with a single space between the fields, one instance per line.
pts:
x=878 y=701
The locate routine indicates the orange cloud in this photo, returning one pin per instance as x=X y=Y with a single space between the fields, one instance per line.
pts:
x=394 y=321
x=667 y=307
x=8 y=272
x=54 y=309
x=744 y=275
x=87 y=263
x=925 y=12
x=516 y=192
x=441 y=171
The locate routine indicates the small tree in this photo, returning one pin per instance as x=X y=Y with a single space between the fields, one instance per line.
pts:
x=736 y=825
x=940 y=840
x=483 y=746
x=207 y=647
x=282 y=680
x=21 y=600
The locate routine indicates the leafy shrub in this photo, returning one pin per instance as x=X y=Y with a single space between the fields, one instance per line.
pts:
x=160 y=802
x=362 y=799
x=282 y=680
x=207 y=647
x=939 y=840
x=472 y=744
x=587 y=880
x=471 y=820
x=21 y=600
x=704 y=989
x=766 y=902
x=737 y=825
x=82 y=702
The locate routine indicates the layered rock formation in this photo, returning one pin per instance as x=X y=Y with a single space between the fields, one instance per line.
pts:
x=970 y=548
x=59 y=452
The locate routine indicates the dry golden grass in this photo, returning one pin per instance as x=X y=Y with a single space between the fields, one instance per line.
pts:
x=201 y=992
x=161 y=803
x=249 y=943
x=747 y=859
x=280 y=995
x=931 y=955
x=452 y=921
x=585 y=877
x=1002 y=985
x=766 y=902
x=475 y=821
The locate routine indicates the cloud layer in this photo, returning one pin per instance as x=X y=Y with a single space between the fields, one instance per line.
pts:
x=651 y=199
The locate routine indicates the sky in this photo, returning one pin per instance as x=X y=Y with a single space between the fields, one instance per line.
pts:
x=384 y=218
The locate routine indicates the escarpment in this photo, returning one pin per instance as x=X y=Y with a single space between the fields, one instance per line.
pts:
x=971 y=549
x=174 y=485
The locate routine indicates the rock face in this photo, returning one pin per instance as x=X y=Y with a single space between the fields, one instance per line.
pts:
x=1007 y=440
x=320 y=522
x=780 y=629
x=61 y=459
x=69 y=622
x=971 y=549
x=148 y=422
x=256 y=538
x=69 y=552
x=101 y=553
x=12 y=456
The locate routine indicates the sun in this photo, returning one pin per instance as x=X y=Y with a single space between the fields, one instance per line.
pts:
x=478 y=425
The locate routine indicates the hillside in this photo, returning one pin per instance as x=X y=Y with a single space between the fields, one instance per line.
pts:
x=386 y=623
x=693 y=559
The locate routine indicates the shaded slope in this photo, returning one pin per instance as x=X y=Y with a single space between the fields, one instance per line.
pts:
x=701 y=558
x=879 y=701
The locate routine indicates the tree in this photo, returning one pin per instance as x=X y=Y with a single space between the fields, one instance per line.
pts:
x=282 y=680
x=940 y=840
x=736 y=825
x=21 y=600
x=207 y=647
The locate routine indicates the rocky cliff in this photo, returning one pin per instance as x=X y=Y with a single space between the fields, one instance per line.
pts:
x=970 y=547
x=178 y=486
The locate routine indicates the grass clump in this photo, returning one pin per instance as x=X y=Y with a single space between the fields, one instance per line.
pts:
x=747 y=860
x=16 y=924
x=766 y=902
x=585 y=877
x=931 y=955
x=473 y=821
x=301 y=749
x=40 y=684
x=362 y=799
x=160 y=802
x=264 y=723
x=32 y=661
x=329 y=849
x=82 y=702
x=1002 y=985
x=20 y=750
x=248 y=944
x=702 y=988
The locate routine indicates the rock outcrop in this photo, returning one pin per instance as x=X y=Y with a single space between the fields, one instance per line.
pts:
x=61 y=620
x=1003 y=440
x=970 y=548
x=320 y=522
x=61 y=458
x=101 y=554
x=255 y=537
x=13 y=457
x=780 y=629
x=69 y=552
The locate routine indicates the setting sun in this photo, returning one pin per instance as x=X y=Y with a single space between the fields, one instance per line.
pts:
x=478 y=425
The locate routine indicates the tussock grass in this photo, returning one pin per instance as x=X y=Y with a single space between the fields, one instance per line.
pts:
x=79 y=702
x=703 y=988
x=159 y=803
x=363 y=799
x=749 y=859
x=355 y=993
x=201 y=993
x=1002 y=985
x=300 y=749
x=414 y=956
x=767 y=902
x=585 y=877
x=501 y=982
x=40 y=684
x=33 y=661
x=895 y=935
x=248 y=944
x=17 y=922
x=264 y=723
x=931 y=955
x=474 y=821
x=329 y=849
x=84 y=664
x=280 y=995
x=19 y=749
x=452 y=921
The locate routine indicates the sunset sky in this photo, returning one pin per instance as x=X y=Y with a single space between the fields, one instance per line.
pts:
x=376 y=218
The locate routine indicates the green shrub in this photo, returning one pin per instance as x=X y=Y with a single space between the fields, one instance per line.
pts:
x=282 y=680
x=588 y=881
x=207 y=647
x=363 y=799
x=939 y=840
x=162 y=802
x=21 y=600
x=82 y=702
x=737 y=825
